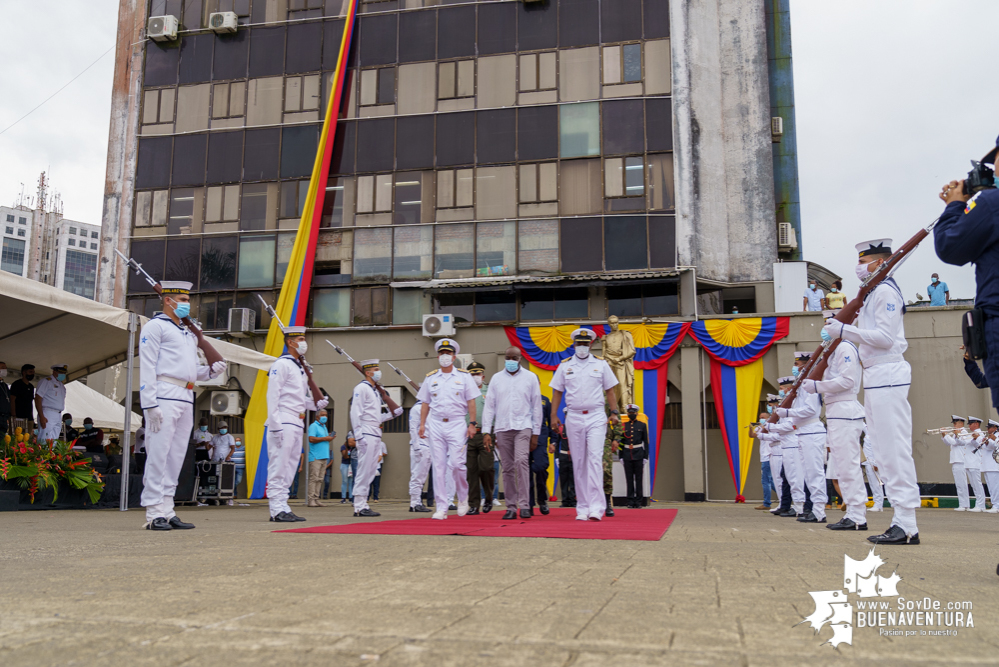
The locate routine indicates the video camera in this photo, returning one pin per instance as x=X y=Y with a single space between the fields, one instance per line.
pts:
x=982 y=177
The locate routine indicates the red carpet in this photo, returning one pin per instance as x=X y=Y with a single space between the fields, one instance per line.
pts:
x=644 y=524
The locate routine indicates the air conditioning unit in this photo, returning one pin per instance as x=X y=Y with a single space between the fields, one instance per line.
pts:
x=438 y=325
x=223 y=22
x=162 y=28
x=226 y=403
x=462 y=361
x=776 y=129
x=242 y=322
x=786 y=238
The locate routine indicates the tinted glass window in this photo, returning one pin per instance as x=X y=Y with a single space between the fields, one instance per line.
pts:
x=332 y=36
x=196 y=58
x=161 y=65
x=656 y=19
x=578 y=22
x=496 y=136
x=624 y=127
x=537 y=304
x=229 y=59
x=342 y=161
x=661 y=299
x=375 y=142
x=455 y=139
x=579 y=129
x=305 y=46
x=218 y=262
x=150 y=255
x=253 y=207
x=580 y=244
x=495 y=307
x=460 y=305
x=331 y=308
x=260 y=157
x=256 y=261
x=456 y=32
x=538 y=135
x=625 y=245
x=182 y=258
x=571 y=303
x=454 y=251
x=153 y=163
x=417 y=36
x=659 y=123
x=298 y=150
x=225 y=157
x=378 y=40
x=189 y=152
x=624 y=301
x=662 y=241
x=537 y=25
x=266 y=51
x=497 y=28
x=415 y=143
x=621 y=20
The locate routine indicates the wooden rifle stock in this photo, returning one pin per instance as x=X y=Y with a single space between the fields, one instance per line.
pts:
x=392 y=405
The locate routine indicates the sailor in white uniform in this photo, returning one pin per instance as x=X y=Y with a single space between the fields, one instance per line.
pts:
x=871 y=467
x=804 y=413
x=288 y=400
x=168 y=369
x=880 y=337
x=973 y=461
x=771 y=442
x=845 y=415
x=955 y=441
x=366 y=418
x=50 y=401
x=448 y=394
x=587 y=383
x=990 y=468
x=791 y=451
x=419 y=460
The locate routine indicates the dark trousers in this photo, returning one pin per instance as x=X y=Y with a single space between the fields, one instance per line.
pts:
x=633 y=477
x=481 y=473
x=4 y=423
x=376 y=485
x=539 y=481
x=807 y=507
x=785 y=492
x=566 y=480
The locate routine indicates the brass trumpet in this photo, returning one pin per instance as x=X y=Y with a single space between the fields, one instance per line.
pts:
x=947 y=429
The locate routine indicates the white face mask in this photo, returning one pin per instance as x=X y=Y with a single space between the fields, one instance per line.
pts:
x=477 y=379
x=3 y=372
x=377 y=376
x=445 y=360
x=303 y=347
x=862 y=272
x=582 y=351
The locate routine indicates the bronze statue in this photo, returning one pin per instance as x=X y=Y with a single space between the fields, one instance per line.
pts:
x=619 y=352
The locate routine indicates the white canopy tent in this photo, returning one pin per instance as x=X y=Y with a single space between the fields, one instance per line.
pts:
x=83 y=402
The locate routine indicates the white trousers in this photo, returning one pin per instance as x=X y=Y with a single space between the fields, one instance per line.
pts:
x=889 y=423
x=54 y=428
x=419 y=466
x=961 y=482
x=792 y=470
x=448 y=443
x=992 y=479
x=369 y=448
x=813 y=458
x=776 y=465
x=844 y=457
x=284 y=450
x=587 y=434
x=165 y=453
x=975 y=477
x=877 y=491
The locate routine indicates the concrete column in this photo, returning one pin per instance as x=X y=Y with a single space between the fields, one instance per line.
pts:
x=691 y=385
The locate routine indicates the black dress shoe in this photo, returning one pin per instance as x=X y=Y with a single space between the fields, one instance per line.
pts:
x=367 y=512
x=847 y=524
x=284 y=517
x=526 y=514
x=787 y=513
x=894 y=535
x=609 y=511
x=452 y=507
x=510 y=514
x=296 y=517
x=472 y=512
x=175 y=522
x=487 y=508
x=420 y=508
x=159 y=523
x=544 y=509
x=531 y=511
x=807 y=518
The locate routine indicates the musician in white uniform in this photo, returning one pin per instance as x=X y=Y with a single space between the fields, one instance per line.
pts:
x=168 y=369
x=791 y=452
x=419 y=460
x=804 y=413
x=448 y=394
x=880 y=337
x=288 y=400
x=845 y=415
x=366 y=418
x=973 y=461
x=990 y=468
x=877 y=502
x=587 y=382
x=955 y=441
x=771 y=443
x=50 y=401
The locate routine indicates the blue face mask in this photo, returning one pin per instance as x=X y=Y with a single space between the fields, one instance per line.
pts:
x=67 y=422
x=322 y=420
x=87 y=427
x=223 y=431
x=934 y=279
x=61 y=377
x=781 y=393
x=511 y=366
x=795 y=371
x=204 y=428
x=770 y=409
x=182 y=310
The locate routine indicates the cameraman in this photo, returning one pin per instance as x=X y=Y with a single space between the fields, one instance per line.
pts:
x=968 y=231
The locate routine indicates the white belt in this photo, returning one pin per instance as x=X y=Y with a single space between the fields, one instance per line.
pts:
x=839 y=398
x=813 y=420
x=882 y=359
x=174 y=381
x=445 y=419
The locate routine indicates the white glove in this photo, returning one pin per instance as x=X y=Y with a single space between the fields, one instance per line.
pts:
x=217 y=369
x=397 y=412
x=809 y=387
x=154 y=419
x=833 y=329
x=321 y=405
x=781 y=412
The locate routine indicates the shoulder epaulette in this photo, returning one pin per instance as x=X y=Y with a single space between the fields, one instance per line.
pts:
x=431 y=373
x=461 y=370
x=565 y=360
x=598 y=357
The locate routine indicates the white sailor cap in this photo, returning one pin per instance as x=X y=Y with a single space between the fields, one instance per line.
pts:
x=974 y=419
x=369 y=363
x=874 y=247
x=447 y=345
x=294 y=331
x=175 y=287
x=583 y=335
x=803 y=354
x=993 y=422
x=828 y=313
x=632 y=406
x=773 y=398
x=956 y=418
x=787 y=379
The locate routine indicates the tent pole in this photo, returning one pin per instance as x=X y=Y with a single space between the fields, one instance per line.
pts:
x=126 y=452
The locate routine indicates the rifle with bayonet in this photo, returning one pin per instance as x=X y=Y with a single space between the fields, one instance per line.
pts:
x=211 y=354
x=405 y=377
x=392 y=405
x=317 y=395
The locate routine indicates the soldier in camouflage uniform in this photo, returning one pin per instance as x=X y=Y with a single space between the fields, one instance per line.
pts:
x=611 y=443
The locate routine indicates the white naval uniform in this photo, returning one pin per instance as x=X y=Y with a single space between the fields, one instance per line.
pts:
x=770 y=442
x=584 y=384
x=990 y=469
x=166 y=351
x=880 y=337
x=288 y=400
x=448 y=395
x=956 y=443
x=366 y=418
x=53 y=395
x=845 y=416
x=973 y=467
x=791 y=461
x=804 y=414
x=419 y=457
x=877 y=488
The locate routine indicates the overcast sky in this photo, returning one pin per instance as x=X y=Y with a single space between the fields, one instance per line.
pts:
x=893 y=99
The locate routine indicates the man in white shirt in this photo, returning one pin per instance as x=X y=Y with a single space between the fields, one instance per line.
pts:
x=366 y=418
x=223 y=444
x=973 y=461
x=50 y=401
x=955 y=443
x=512 y=413
x=813 y=297
x=202 y=439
